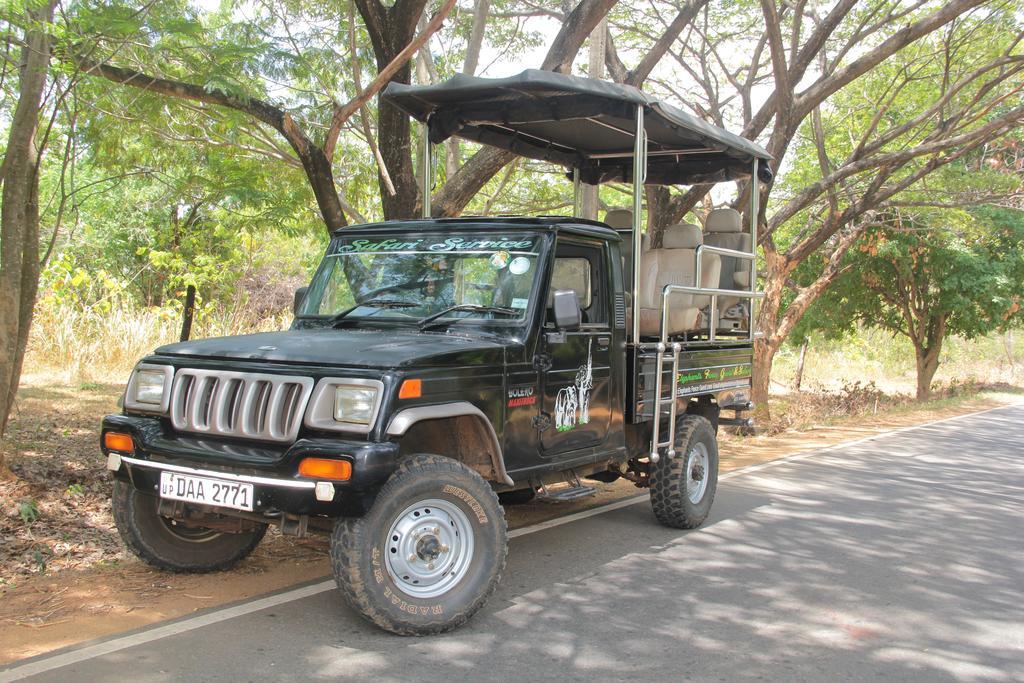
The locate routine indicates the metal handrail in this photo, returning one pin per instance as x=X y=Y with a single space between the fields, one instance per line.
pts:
x=663 y=345
x=725 y=252
x=722 y=251
x=714 y=293
x=690 y=289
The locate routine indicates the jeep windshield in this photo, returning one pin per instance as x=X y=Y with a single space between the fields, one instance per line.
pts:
x=445 y=279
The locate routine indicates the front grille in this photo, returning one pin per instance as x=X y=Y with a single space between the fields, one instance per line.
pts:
x=243 y=405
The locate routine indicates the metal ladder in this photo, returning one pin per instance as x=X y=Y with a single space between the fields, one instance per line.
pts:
x=664 y=352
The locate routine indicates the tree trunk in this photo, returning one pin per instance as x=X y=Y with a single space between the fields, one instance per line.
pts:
x=460 y=189
x=764 y=356
x=481 y=8
x=391 y=29
x=19 y=215
x=589 y=194
x=765 y=348
x=927 y=348
x=927 y=365
x=321 y=179
x=394 y=129
x=659 y=212
x=798 y=380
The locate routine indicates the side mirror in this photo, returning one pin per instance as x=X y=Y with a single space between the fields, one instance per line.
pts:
x=566 y=306
x=300 y=295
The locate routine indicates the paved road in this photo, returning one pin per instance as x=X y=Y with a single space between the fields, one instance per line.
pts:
x=899 y=558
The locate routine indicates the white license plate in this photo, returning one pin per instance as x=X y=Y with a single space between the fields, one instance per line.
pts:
x=217 y=492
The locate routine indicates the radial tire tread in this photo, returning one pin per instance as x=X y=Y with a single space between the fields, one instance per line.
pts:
x=123 y=519
x=667 y=501
x=349 y=541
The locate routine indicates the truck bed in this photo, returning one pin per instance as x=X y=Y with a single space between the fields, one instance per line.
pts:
x=701 y=372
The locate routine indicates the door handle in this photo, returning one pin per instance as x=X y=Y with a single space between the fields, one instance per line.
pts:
x=603 y=342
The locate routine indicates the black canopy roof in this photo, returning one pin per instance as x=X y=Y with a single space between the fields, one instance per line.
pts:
x=580 y=123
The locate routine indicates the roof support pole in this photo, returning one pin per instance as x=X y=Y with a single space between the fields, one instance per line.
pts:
x=639 y=172
x=577 y=193
x=427 y=180
x=755 y=208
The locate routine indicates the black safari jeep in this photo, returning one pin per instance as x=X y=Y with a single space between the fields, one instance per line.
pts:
x=436 y=366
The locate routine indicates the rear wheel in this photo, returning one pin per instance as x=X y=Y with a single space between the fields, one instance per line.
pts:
x=683 y=487
x=429 y=552
x=174 y=547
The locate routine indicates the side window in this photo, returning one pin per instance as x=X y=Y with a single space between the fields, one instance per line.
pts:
x=574 y=273
x=581 y=269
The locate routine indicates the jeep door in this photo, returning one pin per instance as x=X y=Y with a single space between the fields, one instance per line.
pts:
x=577 y=385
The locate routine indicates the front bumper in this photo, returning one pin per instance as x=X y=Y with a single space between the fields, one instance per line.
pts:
x=272 y=470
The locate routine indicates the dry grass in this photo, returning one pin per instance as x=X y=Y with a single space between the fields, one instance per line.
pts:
x=875 y=358
x=77 y=345
x=798 y=410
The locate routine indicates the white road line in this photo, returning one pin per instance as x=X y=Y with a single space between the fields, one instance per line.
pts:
x=600 y=509
x=158 y=632
x=190 y=624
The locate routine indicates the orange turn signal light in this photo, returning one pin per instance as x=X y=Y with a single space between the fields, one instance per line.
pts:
x=118 y=441
x=322 y=468
x=411 y=388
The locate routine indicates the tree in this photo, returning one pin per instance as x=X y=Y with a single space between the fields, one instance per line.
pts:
x=19 y=214
x=460 y=189
x=929 y=274
x=395 y=47
x=389 y=30
x=924 y=83
x=929 y=83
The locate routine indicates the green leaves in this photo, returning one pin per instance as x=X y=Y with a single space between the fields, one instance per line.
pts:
x=914 y=268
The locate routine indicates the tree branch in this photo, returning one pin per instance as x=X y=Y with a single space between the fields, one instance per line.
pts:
x=804 y=198
x=481 y=167
x=686 y=14
x=343 y=113
x=827 y=85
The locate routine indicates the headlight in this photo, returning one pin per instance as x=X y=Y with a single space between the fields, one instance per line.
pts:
x=149 y=387
x=354 y=404
x=344 y=404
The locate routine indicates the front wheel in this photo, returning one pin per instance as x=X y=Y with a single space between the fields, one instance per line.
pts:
x=177 y=548
x=683 y=487
x=429 y=552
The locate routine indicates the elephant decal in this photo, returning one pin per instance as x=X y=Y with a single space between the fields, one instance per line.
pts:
x=572 y=404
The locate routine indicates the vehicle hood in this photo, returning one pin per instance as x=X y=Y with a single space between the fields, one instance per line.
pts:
x=360 y=348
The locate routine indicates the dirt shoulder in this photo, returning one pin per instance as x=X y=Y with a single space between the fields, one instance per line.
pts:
x=89 y=587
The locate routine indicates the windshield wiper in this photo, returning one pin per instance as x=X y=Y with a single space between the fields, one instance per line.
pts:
x=423 y=323
x=379 y=303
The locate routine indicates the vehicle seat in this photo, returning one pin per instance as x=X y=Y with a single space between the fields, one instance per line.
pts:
x=724 y=228
x=675 y=263
x=619 y=219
